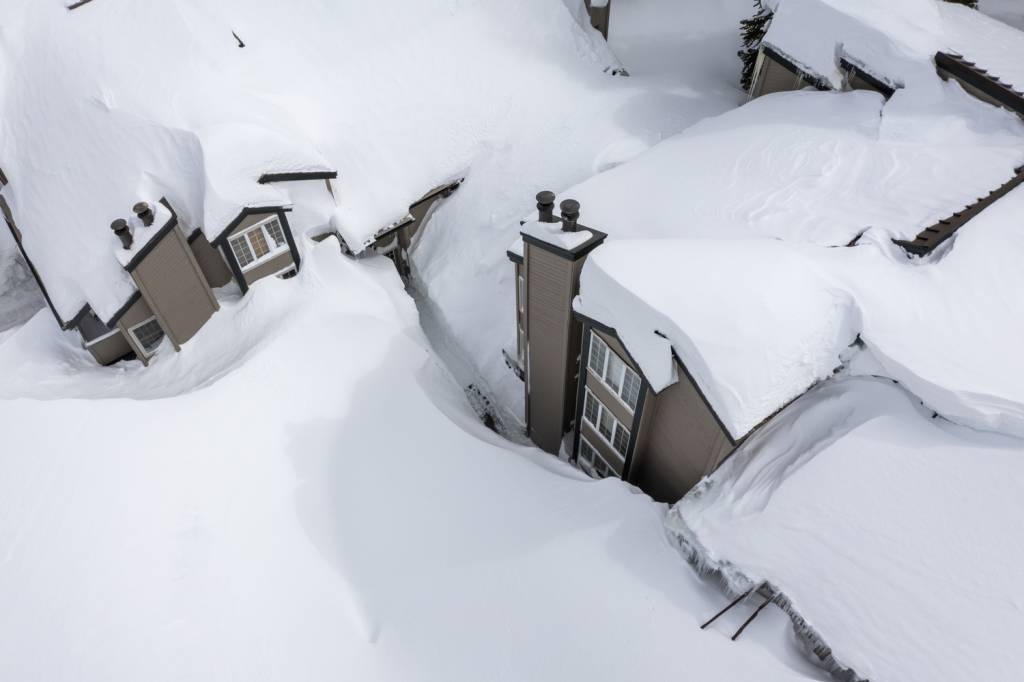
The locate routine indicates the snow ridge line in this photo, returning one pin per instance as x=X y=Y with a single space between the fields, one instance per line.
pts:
x=736 y=583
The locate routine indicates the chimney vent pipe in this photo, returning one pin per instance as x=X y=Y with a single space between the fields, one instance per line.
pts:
x=546 y=206
x=570 y=214
x=123 y=232
x=144 y=212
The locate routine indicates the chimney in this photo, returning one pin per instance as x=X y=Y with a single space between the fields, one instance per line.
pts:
x=570 y=214
x=546 y=206
x=120 y=228
x=144 y=212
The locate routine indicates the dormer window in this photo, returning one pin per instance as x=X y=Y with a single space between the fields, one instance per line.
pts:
x=259 y=243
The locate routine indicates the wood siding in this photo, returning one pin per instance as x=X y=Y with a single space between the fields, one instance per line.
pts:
x=111 y=349
x=549 y=323
x=175 y=289
x=271 y=267
x=210 y=262
x=683 y=442
x=773 y=77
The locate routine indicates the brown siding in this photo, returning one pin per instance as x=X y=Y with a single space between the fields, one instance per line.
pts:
x=210 y=261
x=683 y=443
x=250 y=220
x=175 y=289
x=600 y=17
x=549 y=291
x=774 y=77
x=110 y=349
x=271 y=267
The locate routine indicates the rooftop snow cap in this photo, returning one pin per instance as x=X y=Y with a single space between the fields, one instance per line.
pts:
x=546 y=206
x=570 y=214
x=144 y=212
x=120 y=228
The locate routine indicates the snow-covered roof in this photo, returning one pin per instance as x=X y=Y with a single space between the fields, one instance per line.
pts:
x=892 y=534
x=120 y=101
x=892 y=39
x=755 y=322
x=738 y=281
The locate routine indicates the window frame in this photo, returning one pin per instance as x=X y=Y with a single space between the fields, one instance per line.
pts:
x=522 y=293
x=616 y=425
x=622 y=378
x=138 y=342
x=591 y=468
x=261 y=227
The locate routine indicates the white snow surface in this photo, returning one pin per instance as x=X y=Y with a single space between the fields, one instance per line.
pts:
x=302 y=493
x=894 y=39
x=892 y=533
x=396 y=96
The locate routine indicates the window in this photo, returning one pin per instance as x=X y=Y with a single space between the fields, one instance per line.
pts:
x=613 y=372
x=260 y=242
x=592 y=462
x=522 y=294
x=521 y=345
x=610 y=428
x=148 y=335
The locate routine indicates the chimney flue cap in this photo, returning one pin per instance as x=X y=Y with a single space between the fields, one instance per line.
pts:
x=120 y=228
x=144 y=212
x=546 y=206
x=570 y=214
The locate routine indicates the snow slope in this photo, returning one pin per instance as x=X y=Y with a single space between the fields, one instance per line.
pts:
x=301 y=493
x=396 y=96
x=892 y=533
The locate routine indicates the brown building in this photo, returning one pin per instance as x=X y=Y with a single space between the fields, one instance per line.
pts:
x=174 y=271
x=586 y=398
x=600 y=12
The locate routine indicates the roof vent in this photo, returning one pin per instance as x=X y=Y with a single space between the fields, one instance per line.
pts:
x=570 y=214
x=546 y=206
x=144 y=212
x=121 y=229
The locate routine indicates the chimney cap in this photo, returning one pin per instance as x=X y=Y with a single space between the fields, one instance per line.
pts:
x=570 y=207
x=119 y=225
x=140 y=207
x=546 y=197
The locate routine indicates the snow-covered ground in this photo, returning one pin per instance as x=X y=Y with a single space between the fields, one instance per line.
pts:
x=892 y=533
x=1010 y=11
x=302 y=493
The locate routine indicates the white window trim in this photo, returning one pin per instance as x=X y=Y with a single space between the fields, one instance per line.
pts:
x=622 y=382
x=274 y=252
x=597 y=429
x=597 y=452
x=522 y=293
x=141 y=346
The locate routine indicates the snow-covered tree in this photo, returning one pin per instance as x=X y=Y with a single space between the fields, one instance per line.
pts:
x=752 y=31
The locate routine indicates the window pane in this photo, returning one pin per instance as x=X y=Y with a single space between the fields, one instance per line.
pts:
x=606 y=425
x=259 y=243
x=598 y=351
x=148 y=335
x=590 y=408
x=243 y=254
x=631 y=388
x=614 y=374
x=586 y=452
x=276 y=233
x=621 y=441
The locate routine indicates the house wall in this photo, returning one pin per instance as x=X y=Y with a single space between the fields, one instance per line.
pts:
x=773 y=77
x=600 y=17
x=210 y=262
x=682 y=442
x=271 y=267
x=110 y=349
x=174 y=288
x=988 y=99
x=549 y=328
x=138 y=312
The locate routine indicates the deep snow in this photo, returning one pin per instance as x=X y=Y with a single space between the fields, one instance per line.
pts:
x=302 y=493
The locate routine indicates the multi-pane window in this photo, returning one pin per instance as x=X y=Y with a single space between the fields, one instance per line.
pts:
x=258 y=243
x=522 y=294
x=610 y=428
x=616 y=375
x=592 y=461
x=148 y=335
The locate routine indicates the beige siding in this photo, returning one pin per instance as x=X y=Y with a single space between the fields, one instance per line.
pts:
x=271 y=267
x=175 y=288
x=250 y=220
x=110 y=349
x=211 y=262
x=683 y=442
x=549 y=290
x=600 y=17
x=773 y=77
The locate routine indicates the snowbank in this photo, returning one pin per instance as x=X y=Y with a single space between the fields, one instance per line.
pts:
x=119 y=101
x=302 y=493
x=889 y=531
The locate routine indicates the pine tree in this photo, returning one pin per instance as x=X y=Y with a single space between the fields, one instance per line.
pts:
x=752 y=31
x=973 y=4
